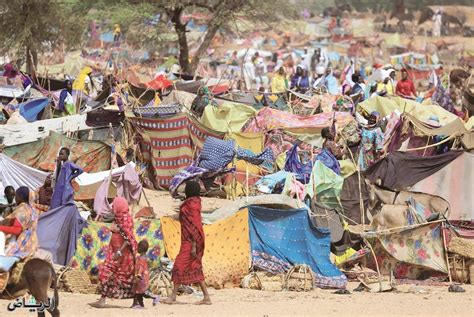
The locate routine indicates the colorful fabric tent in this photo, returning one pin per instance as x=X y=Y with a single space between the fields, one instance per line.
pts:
x=92 y=156
x=228 y=117
x=31 y=108
x=227 y=252
x=168 y=144
x=385 y=106
x=93 y=243
x=455 y=183
x=282 y=238
x=325 y=185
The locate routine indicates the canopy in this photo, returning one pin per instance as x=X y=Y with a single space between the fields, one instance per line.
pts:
x=228 y=117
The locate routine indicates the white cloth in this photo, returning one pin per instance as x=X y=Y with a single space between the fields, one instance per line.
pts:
x=2 y=243
x=437 y=22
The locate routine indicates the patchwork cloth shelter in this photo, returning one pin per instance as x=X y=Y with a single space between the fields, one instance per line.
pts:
x=94 y=240
x=168 y=144
x=412 y=253
x=325 y=185
x=91 y=156
x=227 y=250
x=282 y=238
x=16 y=174
x=228 y=117
x=31 y=109
x=58 y=230
x=268 y=119
x=455 y=183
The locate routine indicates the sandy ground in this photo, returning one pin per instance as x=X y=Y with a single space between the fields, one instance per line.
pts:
x=408 y=300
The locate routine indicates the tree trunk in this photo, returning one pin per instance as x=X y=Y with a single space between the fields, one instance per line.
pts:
x=180 y=29
x=210 y=33
x=31 y=61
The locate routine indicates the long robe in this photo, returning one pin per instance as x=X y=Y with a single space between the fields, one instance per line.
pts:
x=188 y=269
x=63 y=191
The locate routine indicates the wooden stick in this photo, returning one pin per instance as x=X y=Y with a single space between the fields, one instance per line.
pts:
x=443 y=225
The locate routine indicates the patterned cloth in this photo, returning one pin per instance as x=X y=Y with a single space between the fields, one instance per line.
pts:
x=294 y=165
x=150 y=110
x=280 y=238
x=26 y=243
x=371 y=143
x=93 y=244
x=227 y=255
x=328 y=159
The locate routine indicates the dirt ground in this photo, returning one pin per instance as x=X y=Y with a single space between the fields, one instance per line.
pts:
x=408 y=300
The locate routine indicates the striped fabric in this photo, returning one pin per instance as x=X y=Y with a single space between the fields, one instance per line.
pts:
x=171 y=144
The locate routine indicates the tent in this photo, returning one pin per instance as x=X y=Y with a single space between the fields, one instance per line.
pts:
x=228 y=117
x=455 y=183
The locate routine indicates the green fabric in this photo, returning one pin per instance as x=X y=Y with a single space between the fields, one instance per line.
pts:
x=347 y=168
x=228 y=117
x=385 y=106
x=327 y=184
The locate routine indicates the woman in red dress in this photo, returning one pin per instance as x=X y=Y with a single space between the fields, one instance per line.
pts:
x=187 y=267
x=116 y=274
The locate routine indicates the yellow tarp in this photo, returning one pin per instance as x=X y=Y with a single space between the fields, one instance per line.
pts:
x=422 y=112
x=227 y=252
x=228 y=117
x=250 y=141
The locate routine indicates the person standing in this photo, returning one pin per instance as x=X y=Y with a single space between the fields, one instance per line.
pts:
x=65 y=172
x=437 y=23
x=279 y=82
x=187 y=268
x=371 y=145
x=142 y=278
x=116 y=274
x=66 y=103
x=405 y=87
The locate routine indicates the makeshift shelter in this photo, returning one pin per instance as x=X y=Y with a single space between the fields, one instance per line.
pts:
x=92 y=156
x=168 y=144
x=228 y=117
x=454 y=182
x=227 y=253
x=16 y=174
x=282 y=238
x=58 y=230
x=93 y=243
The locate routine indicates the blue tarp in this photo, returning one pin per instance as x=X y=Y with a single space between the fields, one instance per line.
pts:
x=30 y=109
x=280 y=239
x=58 y=230
x=107 y=37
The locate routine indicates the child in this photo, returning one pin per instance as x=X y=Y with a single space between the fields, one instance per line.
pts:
x=142 y=278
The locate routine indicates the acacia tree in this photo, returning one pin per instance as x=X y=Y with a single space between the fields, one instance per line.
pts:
x=28 y=26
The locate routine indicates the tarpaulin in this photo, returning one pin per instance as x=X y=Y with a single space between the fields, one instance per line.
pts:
x=325 y=185
x=91 y=156
x=228 y=117
x=227 y=248
x=385 y=106
x=283 y=238
x=455 y=183
x=268 y=119
x=170 y=144
x=399 y=170
x=30 y=109
x=93 y=243
x=16 y=174
x=58 y=230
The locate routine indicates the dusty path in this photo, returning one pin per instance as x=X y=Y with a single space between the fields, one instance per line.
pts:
x=426 y=301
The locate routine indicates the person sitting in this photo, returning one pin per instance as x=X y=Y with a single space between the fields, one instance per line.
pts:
x=43 y=195
x=405 y=87
x=6 y=209
x=65 y=172
x=66 y=103
x=18 y=230
x=279 y=82
x=201 y=101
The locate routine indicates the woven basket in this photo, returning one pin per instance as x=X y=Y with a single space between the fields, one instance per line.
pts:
x=263 y=281
x=459 y=269
x=300 y=278
x=160 y=283
x=75 y=281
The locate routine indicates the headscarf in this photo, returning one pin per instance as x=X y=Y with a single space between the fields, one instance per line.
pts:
x=24 y=193
x=124 y=221
x=80 y=82
x=10 y=71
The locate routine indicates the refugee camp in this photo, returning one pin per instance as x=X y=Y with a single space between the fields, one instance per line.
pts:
x=236 y=158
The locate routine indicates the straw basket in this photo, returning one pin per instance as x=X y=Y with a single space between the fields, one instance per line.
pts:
x=300 y=278
x=75 y=281
x=459 y=269
x=160 y=283
x=263 y=281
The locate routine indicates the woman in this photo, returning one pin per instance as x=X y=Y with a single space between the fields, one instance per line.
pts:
x=371 y=147
x=83 y=82
x=187 y=267
x=18 y=230
x=202 y=100
x=66 y=103
x=279 y=82
x=116 y=274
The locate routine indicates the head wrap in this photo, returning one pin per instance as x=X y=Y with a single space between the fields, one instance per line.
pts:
x=320 y=70
x=125 y=222
x=24 y=193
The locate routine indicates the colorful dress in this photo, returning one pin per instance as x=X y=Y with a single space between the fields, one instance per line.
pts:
x=116 y=276
x=26 y=243
x=371 y=143
x=142 y=276
x=188 y=269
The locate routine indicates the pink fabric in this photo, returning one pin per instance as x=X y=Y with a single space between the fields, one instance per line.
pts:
x=268 y=119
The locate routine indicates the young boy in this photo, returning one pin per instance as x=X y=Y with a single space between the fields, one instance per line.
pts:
x=142 y=278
